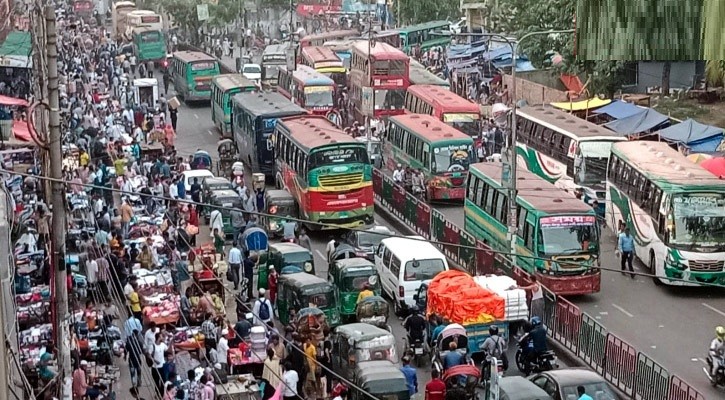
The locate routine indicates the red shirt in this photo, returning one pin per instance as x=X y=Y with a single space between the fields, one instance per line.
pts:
x=435 y=390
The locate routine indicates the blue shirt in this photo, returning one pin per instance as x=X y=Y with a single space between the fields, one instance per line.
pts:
x=181 y=189
x=452 y=359
x=131 y=324
x=626 y=243
x=437 y=331
x=411 y=378
x=585 y=397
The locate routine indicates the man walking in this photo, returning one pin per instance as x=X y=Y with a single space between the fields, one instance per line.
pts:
x=235 y=264
x=625 y=246
x=249 y=264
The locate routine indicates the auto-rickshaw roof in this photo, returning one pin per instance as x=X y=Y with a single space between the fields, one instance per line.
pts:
x=354 y=264
x=302 y=279
x=225 y=142
x=380 y=377
x=224 y=194
x=278 y=195
x=361 y=332
x=287 y=248
x=216 y=180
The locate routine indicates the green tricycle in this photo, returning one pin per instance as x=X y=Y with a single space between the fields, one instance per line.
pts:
x=301 y=290
x=281 y=206
x=350 y=276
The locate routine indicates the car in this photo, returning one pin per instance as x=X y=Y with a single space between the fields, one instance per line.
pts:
x=561 y=384
x=368 y=240
x=253 y=72
x=195 y=173
x=520 y=388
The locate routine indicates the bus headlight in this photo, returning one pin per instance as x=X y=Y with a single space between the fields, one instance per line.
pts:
x=272 y=226
x=681 y=264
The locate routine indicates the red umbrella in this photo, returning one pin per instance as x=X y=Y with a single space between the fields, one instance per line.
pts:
x=716 y=166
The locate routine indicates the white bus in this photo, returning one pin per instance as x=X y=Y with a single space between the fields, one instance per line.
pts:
x=675 y=211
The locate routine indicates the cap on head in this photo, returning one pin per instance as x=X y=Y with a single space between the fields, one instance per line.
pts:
x=262 y=291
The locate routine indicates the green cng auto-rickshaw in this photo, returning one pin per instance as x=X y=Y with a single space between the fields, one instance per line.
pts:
x=227 y=199
x=209 y=186
x=358 y=343
x=280 y=206
x=350 y=276
x=283 y=255
x=382 y=379
x=301 y=290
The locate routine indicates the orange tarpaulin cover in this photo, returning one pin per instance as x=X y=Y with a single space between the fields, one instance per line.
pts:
x=456 y=296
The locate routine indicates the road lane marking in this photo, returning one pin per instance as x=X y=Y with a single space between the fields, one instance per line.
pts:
x=625 y=312
x=196 y=116
x=711 y=308
x=319 y=253
x=210 y=132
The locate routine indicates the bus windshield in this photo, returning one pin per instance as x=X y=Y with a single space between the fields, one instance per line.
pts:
x=149 y=37
x=592 y=166
x=452 y=158
x=339 y=155
x=318 y=96
x=392 y=99
x=699 y=220
x=467 y=123
x=567 y=234
x=271 y=71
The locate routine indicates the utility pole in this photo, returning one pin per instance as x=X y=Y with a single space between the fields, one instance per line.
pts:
x=57 y=260
x=368 y=124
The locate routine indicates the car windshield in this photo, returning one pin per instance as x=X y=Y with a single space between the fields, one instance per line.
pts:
x=470 y=124
x=567 y=234
x=592 y=166
x=252 y=69
x=452 y=158
x=319 y=300
x=370 y=239
x=699 y=220
x=421 y=270
x=359 y=282
x=271 y=71
x=599 y=391
x=297 y=258
x=281 y=210
x=319 y=96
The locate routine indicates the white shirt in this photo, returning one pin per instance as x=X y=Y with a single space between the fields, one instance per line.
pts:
x=255 y=311
x=537 y=293
x=173 y=191
x=398 y=175
x=222 y=349
x=215 y=221
x=290 y=379
x=149 y=338
x=127 y=290
x=330 y=248
x=159 y=350
x=92 y=271
x=235 y=256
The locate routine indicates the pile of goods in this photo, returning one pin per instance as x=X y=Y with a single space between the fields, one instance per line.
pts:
x=457 y=297
x=504 y=287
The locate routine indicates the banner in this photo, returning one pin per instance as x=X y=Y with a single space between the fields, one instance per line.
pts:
x=202 y=12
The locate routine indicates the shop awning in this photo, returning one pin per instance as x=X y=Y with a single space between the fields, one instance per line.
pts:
x=698 y=137
x=715 y=165
x=619 y=109
x=12 y=101
x=15 y=50
x=582 y=104
x=21 y=131
x=641 y=122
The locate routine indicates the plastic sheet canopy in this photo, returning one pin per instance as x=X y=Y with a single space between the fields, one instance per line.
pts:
x=456 y=296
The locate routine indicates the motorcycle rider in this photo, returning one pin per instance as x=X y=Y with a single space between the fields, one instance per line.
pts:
x=415 y=326
x=717 y=351
x=494 y=346
x=418 y=182
x=537 y=336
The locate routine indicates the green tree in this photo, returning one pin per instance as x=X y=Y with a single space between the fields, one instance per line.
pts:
x=417 y=11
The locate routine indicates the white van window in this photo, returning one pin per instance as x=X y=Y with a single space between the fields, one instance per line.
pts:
x=386 y=257
x=420 y=270
x=395 y=266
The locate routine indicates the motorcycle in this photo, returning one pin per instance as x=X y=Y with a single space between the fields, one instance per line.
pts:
x=545 y=361
x=719 y=378
x=417 y=350
x=486 y=370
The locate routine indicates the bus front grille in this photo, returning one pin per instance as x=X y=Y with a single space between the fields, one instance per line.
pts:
x=341 y=179
x=706 y=265
x=571 y=262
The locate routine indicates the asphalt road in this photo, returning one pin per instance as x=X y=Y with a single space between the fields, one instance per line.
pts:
x=195 y=131
x=672 y=325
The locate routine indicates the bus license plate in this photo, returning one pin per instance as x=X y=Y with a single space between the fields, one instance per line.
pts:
x=418 y=350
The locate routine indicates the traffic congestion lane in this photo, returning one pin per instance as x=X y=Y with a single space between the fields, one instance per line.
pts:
x=671 y=325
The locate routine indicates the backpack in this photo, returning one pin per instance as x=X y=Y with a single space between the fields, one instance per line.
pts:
x=263 y=310
x=500 y=354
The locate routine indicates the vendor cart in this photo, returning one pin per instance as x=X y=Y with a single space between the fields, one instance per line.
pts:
x=152 y=150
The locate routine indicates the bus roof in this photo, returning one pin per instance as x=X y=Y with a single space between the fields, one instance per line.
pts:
x=421 y=76
x=381 y=51
x=310 y=77
x=311 y=131
x=142 y=12
x=423 y=26
x=444 y=99
x=566 y=123
x=537 y=192
x=267 y=104
x=228 y=81
x=192 y=56
x=277 y=48
x=124 y=4
x=661 y=163
x=429 y=127
x=331 y=34
x=144 y=28
x=317 y=54
x=340 y=45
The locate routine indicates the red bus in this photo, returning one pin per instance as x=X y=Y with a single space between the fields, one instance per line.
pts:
x=313 y=8
x=319 y=39
x=325 y=61
x=308 y=89
x=445 y=105
x=326 y=170
x=390 y=36
x=440 y=151
x=381 y=69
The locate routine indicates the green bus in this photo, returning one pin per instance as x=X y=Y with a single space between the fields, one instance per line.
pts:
x=674 y=208
x=440 y=151
x=192 y=72
x=423 y=35
x=223 y=88
x=149 y=44
x=557 y=236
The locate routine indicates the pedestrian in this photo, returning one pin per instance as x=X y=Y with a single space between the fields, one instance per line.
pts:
x=173 y=115
x=625 y=245
x=411 y=377
x=262 y=309
x=208 y=328
x=249 y=263
x=436 y=388
x=218 y=241
x=536 y=308
x=304 y=240
x=158 y=355
x=238 y=222
x=271 y=374
x=272 y=279
x=222 y=349
x=291 y=381
x=235 y=264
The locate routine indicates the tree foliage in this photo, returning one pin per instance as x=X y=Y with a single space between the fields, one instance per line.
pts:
x=519 y=17
x=184 y=12
x=417 y=11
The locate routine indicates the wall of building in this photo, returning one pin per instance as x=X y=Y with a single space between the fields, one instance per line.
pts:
x=682 y=74
x=536 y=87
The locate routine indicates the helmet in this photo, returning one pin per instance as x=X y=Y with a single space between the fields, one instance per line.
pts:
x=535 y=321
x=493 y=330
x=720 y=332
